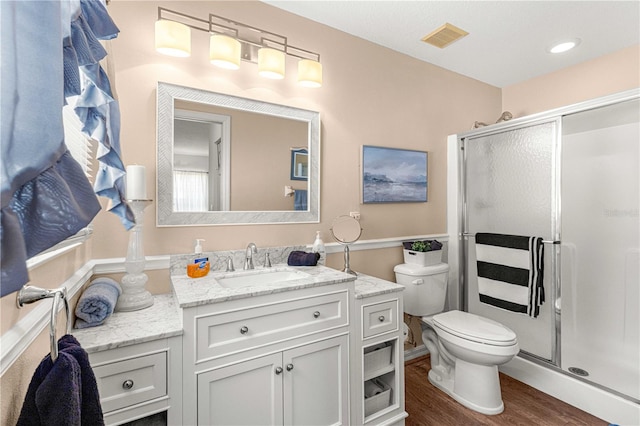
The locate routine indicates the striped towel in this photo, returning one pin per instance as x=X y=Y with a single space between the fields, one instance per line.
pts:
x=510 y=271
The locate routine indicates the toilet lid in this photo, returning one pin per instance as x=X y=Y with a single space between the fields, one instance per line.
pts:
x=475 y=328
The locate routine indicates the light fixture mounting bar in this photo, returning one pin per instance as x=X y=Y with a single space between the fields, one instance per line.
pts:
x=163 y=12
x=217 y=24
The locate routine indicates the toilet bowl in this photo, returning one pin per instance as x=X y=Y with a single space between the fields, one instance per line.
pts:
x=465 y=348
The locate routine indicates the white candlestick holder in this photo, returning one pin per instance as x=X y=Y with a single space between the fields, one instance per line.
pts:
x=134 y=296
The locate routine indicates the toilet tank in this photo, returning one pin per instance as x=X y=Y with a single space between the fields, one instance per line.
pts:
x=425 y=287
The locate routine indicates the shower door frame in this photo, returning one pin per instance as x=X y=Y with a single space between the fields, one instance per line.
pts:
x=460 y=220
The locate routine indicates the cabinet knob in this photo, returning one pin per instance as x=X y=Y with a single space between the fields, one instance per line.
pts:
x=127 y=384
x=244 y=329
x=278 y=370
x=289 y=367
x=381 y=318
x=316 y=314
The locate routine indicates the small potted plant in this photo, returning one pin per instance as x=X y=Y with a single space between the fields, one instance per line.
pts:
x=424 y=253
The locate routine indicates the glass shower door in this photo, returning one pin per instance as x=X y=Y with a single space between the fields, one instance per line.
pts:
x=600 y=250
x=510 y=188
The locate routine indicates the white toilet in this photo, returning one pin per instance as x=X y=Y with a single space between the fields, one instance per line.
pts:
x=466 y=349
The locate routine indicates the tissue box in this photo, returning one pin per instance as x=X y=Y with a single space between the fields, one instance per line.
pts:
x=376 y=357
x=425 y=258
x=378 y=402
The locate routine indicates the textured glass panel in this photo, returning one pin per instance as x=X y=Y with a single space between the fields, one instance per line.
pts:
x=510 y=181
x=600 y=250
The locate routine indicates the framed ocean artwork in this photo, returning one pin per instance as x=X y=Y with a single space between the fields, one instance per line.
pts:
x=393 y=175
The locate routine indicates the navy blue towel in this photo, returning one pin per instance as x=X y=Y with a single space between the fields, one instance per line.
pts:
x=300 y=199
x=63 y=392
x=301 y=258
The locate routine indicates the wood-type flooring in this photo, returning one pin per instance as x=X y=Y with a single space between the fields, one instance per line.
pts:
x=523 y=404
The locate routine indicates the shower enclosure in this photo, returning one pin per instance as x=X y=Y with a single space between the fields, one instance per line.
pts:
x=569 y=176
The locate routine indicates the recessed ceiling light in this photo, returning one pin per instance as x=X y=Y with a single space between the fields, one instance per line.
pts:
x=564 y=46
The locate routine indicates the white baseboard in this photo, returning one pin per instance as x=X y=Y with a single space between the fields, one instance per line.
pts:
x=414 y=353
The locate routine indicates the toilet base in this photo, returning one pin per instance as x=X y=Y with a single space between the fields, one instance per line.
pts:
x=485 y=399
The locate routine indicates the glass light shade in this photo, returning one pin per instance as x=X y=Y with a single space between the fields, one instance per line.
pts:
x=173 y=38
x=224 y=51
x=271 y=63
x=309 y=73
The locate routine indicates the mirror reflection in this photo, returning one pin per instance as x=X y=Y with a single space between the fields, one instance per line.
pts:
x=224 y=159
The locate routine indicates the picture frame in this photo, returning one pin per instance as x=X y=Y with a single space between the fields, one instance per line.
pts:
x=299 y=164
x=393 y=175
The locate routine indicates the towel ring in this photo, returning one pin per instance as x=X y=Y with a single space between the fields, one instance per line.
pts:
x=29 y=294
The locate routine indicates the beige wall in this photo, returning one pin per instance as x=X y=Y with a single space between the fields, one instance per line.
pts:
x=602 y=76
x=371 y=95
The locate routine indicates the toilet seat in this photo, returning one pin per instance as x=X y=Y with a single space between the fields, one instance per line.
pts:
x=474 y=328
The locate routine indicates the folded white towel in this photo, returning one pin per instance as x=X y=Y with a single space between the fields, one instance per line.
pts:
x=510 y=272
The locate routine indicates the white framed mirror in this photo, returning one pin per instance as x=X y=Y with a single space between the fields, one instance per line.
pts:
x=226 y=160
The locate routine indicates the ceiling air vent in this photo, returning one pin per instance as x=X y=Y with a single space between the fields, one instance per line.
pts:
x=444 y=36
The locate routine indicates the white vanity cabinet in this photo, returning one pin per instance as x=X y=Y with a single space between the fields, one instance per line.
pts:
x=378 y=384
x=136 y=358
x=280 y=358
x=135 y=381
x=299 y=386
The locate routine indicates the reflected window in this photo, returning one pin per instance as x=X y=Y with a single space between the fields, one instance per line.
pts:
x=190 y=191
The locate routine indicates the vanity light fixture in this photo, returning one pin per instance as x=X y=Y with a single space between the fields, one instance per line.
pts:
x=173 y=38
x=271 y=63
x=224 y=51
x=232 y=42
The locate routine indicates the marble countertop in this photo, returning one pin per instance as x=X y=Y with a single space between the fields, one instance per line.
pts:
x=162 y=319
x=191 y=292
x=367 y=286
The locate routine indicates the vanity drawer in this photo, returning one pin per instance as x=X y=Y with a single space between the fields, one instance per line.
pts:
x=379 y=318
x=233 y=331
x=131 y=381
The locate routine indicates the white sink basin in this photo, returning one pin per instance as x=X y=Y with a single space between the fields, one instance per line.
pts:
x=261 y=277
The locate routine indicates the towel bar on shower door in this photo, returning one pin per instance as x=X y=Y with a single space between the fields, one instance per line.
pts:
x=464 y=234
x=30 y=294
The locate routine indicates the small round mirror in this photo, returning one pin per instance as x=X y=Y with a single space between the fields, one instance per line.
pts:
x=346 y=230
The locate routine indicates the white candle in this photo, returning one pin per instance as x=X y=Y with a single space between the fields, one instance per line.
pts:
x=136 y=183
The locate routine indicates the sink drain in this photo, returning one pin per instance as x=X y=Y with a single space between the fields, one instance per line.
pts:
x=579 y=371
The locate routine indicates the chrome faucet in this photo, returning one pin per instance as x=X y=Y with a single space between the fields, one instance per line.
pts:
x=248 y=259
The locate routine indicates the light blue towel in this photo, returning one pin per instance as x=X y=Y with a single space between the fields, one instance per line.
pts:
x=97 y=302
x=300 y=199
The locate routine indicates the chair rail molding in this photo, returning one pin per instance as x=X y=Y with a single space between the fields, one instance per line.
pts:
x=18 y=339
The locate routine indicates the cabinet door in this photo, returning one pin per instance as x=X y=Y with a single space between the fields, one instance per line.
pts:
x=247 y=393
x=316 y=385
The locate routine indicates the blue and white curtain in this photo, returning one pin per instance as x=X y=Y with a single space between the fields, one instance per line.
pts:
x=50 y=56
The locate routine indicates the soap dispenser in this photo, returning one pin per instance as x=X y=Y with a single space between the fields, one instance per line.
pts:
x=199 y=265
x=318 y=246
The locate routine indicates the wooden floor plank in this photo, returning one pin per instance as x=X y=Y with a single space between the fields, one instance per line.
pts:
x=524 y=405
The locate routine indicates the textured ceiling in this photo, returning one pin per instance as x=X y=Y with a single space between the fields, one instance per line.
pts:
x=507 y=41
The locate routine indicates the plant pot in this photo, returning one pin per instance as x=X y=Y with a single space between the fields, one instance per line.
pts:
x=426 y=258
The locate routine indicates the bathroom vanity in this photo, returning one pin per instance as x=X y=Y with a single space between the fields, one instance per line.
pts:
x=298 y=351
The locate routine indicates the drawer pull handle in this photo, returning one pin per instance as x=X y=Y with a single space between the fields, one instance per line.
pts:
x=244 y=329
x=381 y=318
x=278 y=370
x=316 y=314
x=289 y=367
x=127 y=384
